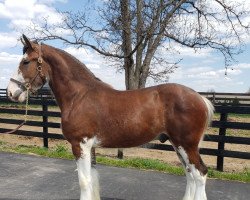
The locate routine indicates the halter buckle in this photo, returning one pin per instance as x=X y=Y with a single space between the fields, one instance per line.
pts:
x=40 y=60
x=27 y=86
x=39 y=68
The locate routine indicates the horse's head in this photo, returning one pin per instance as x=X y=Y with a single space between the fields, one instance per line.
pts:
x=31 y=73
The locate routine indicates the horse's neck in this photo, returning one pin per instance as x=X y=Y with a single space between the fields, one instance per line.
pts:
x=68 y=78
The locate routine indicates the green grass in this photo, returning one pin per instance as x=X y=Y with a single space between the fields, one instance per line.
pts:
x=140 y=163
x=18 y=105
x=235 y=176
x=61 y=151
x=156 y=165
x=239 y=115
x=58 y=152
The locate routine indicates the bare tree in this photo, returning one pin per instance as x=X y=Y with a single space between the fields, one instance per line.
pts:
x=132 y=32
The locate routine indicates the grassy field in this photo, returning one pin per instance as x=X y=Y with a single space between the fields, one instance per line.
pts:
x=63 y=152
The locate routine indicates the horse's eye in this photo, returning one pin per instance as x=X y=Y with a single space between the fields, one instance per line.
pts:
x=26 y=62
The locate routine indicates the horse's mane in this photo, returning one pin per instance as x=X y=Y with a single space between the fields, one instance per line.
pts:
x=25 y=48
x=78 y=68
x=78 y=62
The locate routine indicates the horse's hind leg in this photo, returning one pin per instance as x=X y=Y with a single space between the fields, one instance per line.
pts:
x=195 y=169
x=88 y=179
x=196 y=172
x=199 y=172
x=190 y=187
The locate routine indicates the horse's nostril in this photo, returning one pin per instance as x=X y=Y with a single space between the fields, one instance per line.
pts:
x=9 y=94
x=14 y=95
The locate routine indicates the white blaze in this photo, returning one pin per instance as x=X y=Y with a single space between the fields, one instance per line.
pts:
x=25 y=56
x=14 y=92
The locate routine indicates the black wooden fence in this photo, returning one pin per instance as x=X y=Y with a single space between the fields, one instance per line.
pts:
x=44 y=108
x=217 y=98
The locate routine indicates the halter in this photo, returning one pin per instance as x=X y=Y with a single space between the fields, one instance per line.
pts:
x=27 y=86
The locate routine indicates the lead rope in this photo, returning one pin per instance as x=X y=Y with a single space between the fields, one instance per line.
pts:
x=25 y=115
x=26 y=106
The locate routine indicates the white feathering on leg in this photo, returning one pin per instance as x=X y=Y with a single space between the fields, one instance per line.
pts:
x=88 y=177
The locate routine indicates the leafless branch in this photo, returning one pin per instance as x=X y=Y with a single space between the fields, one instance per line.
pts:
x=129 y=32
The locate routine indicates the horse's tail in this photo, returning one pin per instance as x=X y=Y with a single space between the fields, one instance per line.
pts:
x=210 y=110
x=210 y=113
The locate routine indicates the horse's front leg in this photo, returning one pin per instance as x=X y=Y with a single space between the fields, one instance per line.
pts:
x=88 y=178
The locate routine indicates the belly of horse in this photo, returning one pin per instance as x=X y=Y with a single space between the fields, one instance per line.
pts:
x=128 y=137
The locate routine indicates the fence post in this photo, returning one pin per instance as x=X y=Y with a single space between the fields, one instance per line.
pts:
x=213 y=98
x=45 y=120
x=221 y=143
x=120 y=154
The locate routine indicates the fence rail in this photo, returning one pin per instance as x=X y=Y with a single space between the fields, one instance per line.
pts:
x=45 y=118
x=227 y=98
x=216 y=97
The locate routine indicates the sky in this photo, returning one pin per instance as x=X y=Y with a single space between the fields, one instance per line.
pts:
x=202 y=71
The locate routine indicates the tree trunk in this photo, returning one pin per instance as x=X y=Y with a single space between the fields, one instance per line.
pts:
x=127 y=45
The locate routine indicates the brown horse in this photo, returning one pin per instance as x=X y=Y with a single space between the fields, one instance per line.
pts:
x=94 y=114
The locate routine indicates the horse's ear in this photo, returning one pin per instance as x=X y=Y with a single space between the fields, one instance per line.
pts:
x=26 y=42
x=21 y=39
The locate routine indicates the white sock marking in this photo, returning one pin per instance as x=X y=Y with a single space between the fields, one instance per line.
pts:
x=190 y=187
x=196 y=182
x=88 y=178
x=25 y=56
x=200 y=181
